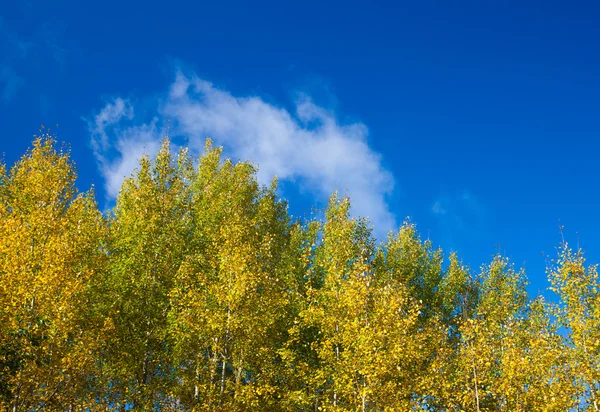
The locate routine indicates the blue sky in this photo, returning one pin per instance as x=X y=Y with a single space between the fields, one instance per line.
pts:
x=479 y=120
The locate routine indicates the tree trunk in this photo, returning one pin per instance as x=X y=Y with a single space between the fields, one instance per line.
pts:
x=476 y=388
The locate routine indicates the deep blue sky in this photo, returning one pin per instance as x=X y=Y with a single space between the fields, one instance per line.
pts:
x=487 y=113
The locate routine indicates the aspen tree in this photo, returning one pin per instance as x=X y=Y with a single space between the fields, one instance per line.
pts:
x=457 y=297
x=366 y=346
x=230 y=292
x=148 y=240
x=298 y=353
x=534 y=375
x=484 y=337
x=49 y=239
x=576 y=283
x=408 y=275
x=335 y=307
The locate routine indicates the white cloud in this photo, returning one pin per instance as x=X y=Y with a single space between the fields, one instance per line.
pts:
x=310 y=147
x=109 y=116
x=118 y=147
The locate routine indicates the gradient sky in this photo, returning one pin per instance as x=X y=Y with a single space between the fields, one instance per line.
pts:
x=479 y=120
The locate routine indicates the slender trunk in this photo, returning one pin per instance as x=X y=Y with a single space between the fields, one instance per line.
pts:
x=364 y=397
x=476 y=386
x=147 y=355
x=224 y=355
x=197 y=379
x=224 y=363
x=593 y=395
x=475 y=381
x=145 y=370
x=214 y=360
x=337 y=358
x=240 y=370
x=590 y=384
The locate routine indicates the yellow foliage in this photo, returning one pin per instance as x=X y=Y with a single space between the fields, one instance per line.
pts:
x=197 y=291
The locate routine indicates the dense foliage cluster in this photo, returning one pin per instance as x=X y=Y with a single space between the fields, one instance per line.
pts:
x=198 y=292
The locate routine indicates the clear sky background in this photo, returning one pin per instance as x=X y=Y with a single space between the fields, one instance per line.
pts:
x=478 y=119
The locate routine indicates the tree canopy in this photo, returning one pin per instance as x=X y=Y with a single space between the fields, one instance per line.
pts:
x=198 y=291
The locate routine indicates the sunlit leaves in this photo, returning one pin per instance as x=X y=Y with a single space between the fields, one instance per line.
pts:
x=197 y=291
x=579 y=289
x=49 y=239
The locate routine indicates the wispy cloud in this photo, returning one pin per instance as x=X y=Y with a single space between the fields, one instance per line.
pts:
x=20 y=51
x=112 y=114
x=12 y=43
x=12 y=47
x=10 y=83
x=308 y=146
x=118 y=144
x=52 y=44
x=460 y=215
x=438 y=209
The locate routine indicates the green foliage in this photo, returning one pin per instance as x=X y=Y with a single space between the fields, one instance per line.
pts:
x=198 y=292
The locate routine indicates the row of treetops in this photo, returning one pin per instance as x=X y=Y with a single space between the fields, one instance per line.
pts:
x=197 y=291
